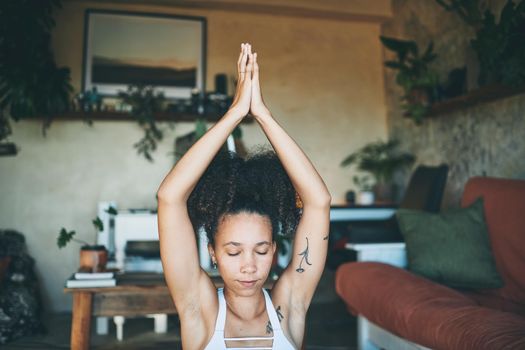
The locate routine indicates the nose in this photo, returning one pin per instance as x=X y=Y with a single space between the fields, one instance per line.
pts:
x=248 y=265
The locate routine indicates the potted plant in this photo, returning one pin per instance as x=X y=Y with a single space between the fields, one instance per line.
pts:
x=32 y=84
x=381 y=160
x=365 y=186
x=499 y=43
x=418 y=81
x=92 y=257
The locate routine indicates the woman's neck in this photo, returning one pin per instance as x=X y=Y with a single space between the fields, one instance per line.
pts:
x=245 y=308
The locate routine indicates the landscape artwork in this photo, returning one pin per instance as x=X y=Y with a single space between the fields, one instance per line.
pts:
x=123 y=49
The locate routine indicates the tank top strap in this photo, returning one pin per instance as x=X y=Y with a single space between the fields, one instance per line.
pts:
x=272 y=314
x=221 y=316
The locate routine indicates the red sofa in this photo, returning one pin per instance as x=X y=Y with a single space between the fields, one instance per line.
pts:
x=400 y=310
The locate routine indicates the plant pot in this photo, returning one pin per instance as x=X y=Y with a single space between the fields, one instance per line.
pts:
x=365 y=198
x=350 y=197
x=384 y=192
x=93 y=258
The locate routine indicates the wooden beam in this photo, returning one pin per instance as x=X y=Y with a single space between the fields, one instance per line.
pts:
x=267 y=9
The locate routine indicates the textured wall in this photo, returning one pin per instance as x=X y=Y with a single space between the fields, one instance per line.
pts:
x=487 y=139
x=322 y=79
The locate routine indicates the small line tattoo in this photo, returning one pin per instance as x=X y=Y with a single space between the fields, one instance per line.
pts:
x=304 y=253
x=280 y=317
x=325 y=238
x=269 y=328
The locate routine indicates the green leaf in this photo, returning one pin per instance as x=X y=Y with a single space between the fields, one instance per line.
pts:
x=237 y=133
x=200 y=128
x=111 y=210
x=394 y=65
x=98 y=224
x=349 y=160
x=64 y=237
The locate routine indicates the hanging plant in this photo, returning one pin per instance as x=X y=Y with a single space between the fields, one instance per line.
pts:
x=145 y=102
x=499 y=44
x=31 y=84
x=414 y=75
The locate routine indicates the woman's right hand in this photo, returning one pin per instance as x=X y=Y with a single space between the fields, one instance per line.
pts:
x=243 y=94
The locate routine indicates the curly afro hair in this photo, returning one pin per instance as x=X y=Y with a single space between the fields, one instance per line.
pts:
x=258 y=184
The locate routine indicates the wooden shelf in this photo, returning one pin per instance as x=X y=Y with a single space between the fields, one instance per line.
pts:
x=125 y=116
x=476 y=97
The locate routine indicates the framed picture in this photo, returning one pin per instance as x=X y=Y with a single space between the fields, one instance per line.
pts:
x=130 y=48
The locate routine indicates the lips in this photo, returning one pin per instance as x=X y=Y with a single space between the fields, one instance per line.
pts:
x=248 y=284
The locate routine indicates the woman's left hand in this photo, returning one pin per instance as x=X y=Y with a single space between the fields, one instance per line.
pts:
x=241 y=101
x=257 y=106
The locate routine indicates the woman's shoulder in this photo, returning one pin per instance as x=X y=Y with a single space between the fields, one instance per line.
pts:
x=291 y=317
x=198 y=319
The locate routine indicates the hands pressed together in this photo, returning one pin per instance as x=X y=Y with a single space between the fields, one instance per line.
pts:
x=248 y=98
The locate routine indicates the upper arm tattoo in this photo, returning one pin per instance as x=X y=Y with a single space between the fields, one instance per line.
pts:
x=304 y=253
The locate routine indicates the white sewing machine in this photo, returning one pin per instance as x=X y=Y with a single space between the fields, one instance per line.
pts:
x=132 y=240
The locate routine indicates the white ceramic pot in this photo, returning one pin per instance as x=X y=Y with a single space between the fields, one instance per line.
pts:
x=365 y=198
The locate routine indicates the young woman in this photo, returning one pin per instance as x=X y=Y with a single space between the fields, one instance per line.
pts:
x=243 y=205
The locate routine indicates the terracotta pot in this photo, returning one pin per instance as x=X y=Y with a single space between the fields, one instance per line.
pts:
x=93 y=258
x=384 y=192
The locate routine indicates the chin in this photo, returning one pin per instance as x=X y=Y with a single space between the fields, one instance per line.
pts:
x=244 y=290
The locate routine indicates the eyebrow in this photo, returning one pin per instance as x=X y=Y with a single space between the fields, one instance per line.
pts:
x=237 y=244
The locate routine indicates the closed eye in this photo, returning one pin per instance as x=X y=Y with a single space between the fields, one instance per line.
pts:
x=233 y=254
x=262 y=253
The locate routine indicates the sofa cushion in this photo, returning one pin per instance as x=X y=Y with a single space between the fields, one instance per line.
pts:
x=504 y=202
x=425 y=312
x=451 y=247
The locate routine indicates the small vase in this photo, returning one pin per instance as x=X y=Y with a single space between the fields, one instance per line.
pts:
x=350 y=197
x=365 y=198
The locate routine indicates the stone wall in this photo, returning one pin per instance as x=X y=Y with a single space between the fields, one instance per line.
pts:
x=483 y=140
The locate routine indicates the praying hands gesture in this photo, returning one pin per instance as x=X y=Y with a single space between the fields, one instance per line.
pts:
x=248 y=98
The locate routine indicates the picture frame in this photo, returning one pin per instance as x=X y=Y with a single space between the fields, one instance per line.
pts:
x=129 y=48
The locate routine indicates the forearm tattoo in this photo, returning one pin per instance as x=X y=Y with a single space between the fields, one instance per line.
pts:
x=325 y=238
x=280 y=317
x=304 y=258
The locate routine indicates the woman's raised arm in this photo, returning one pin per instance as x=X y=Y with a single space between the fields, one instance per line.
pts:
x=300 y=278
x=178 y=245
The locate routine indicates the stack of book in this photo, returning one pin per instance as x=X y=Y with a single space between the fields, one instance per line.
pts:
x=84 y=279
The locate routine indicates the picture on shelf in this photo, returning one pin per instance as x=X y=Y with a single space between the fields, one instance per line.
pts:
x=128 y=48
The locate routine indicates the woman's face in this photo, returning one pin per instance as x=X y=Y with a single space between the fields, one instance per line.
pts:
x=244 y=251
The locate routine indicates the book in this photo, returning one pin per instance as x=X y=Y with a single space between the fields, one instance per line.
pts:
x=87 y=283
x=94 y=275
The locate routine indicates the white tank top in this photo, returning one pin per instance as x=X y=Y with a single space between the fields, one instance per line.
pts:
x=218 y=342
